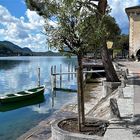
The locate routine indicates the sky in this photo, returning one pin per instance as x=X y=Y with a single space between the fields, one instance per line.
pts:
x=25 y=28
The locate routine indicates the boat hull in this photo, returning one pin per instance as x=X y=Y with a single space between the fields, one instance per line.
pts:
x=23 y=95
x=15 y=105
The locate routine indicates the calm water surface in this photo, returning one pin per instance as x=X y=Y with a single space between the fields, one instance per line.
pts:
x=20 y=73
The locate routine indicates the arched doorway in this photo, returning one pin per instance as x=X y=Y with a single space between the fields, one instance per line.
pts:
x=138 y=55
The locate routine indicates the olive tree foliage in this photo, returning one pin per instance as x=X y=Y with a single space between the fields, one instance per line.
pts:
x=70 y=32
x=75 y=28
x=122 y=43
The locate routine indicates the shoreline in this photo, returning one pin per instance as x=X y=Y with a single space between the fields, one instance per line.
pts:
x=43 y=129
x=127 y=126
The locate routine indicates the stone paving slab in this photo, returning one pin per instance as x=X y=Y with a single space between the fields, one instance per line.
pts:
x=115 y=132
x=125 y=107
x=128 y=91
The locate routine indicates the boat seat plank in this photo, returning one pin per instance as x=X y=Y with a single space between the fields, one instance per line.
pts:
x=17 y=94
x=28 y=91
x=3 y=97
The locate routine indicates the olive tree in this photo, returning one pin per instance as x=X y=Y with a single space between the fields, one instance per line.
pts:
x=80 y=27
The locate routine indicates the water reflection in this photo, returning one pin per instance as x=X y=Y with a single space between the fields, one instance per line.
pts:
x=6 y=64
x=21 y=74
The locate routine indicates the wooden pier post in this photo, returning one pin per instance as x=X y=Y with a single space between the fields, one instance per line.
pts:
x=72 y=72
x=54 y=74
x=52 y=79
x=38 y=73
x=52 y=84
x=60 y=75
x=51 y=70
x=75 y=71
x=68 y=71
x=53 y=98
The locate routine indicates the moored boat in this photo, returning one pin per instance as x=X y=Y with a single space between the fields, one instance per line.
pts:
x=23 y=95
x=23 y=103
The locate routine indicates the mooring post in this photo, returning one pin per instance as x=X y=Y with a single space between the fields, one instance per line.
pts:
x=54 y=76
x=38 y=73
x=53 y=98
x=52 y=84
x=51 y=70
x=75 y=70
x=60 y=75
x=72 y=72
x=68 y=71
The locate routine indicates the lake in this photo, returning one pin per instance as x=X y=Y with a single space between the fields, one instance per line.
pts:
x=20 y=73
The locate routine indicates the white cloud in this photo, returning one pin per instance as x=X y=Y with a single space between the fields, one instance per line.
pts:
x=34 y=18
x=26 y=31
x=21 y=31
x=118 y=11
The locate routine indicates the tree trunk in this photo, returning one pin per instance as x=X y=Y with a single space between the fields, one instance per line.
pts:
x=81 y=112
x=111 y=75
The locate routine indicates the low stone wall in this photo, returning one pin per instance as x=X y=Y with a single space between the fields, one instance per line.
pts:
x=109 y=87
x=59 y=134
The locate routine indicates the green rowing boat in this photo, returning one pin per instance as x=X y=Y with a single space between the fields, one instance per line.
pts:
x=23 y=95
x=15 y=105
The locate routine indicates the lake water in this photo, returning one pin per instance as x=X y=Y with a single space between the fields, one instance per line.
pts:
x=20 y=73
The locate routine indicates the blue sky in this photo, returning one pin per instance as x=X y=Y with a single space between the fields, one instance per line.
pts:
x=24 y=27
x=15 y=7
x=21 y=26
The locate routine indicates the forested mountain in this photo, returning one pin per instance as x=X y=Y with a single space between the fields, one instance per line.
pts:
x=10 y=49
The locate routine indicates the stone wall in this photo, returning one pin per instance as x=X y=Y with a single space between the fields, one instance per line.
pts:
x=134 y=30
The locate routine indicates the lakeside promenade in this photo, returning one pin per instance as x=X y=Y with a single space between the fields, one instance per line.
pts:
x=134 y=68
x=128 y=128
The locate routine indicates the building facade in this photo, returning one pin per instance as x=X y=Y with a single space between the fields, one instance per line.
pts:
x=134 y=31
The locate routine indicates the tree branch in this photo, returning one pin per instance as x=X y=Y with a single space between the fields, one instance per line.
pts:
x=68 y=45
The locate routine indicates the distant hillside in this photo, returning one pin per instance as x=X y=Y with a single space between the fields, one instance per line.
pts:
x=27 y=50
x=9 y=49
x=48 y=53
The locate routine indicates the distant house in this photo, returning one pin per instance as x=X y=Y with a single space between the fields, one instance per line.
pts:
x=134 y=31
